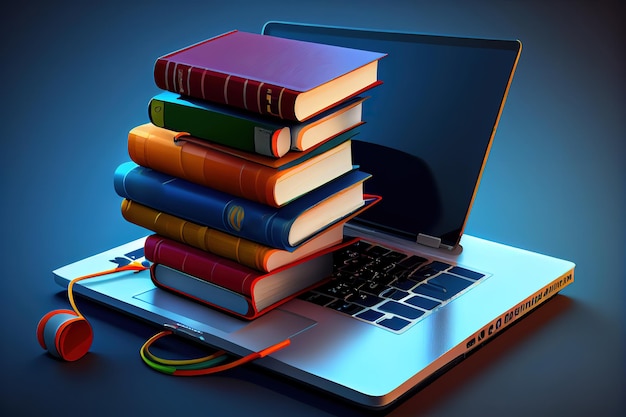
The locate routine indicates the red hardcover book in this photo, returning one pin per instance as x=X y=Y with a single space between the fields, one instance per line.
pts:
x=228 y=285
x=268 y=75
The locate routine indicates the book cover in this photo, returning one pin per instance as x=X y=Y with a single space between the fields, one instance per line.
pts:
x=281 y=228
x=228 y=285
x=268 y=75
x=248 y=131
x=243 y=251
x=154 y=147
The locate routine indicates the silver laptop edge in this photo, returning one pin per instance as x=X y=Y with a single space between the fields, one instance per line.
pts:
x=331 y=351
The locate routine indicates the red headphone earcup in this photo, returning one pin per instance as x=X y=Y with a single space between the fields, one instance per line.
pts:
x=44 y=321
x=65 y=334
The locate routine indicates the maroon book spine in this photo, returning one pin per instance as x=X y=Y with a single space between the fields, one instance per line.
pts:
x=258 y=97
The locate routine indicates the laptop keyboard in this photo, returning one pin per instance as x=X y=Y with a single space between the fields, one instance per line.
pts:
x=387 y=288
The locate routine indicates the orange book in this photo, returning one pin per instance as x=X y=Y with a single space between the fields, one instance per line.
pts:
x=248 y=253
x=157 y=148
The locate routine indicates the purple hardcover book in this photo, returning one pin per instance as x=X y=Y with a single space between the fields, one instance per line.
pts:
x=268 y=75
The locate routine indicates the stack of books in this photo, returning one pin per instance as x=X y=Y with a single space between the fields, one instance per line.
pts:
x=244 y=173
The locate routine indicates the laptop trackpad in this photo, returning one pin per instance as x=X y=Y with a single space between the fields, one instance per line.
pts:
x=271 y=328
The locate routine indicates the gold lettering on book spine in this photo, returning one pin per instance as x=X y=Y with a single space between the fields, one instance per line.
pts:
x=179 y=80
x=167 y=81
x=202 y=85
x=269 y=101
x=235 y=217
x=226 y=89
x=245 y=87
x=189 y=79
x=258 y=97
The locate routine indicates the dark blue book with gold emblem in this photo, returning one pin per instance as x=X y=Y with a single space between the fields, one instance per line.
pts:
x=284 y=228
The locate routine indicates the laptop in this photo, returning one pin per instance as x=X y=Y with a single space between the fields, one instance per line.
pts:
x=443 y=293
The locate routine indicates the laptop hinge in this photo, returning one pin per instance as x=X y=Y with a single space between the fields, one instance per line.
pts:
x=430 y=241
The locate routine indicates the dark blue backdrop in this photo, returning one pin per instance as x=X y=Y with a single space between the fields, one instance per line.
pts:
x=77 y=77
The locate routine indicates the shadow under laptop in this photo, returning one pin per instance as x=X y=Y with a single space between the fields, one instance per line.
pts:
x=426 y=397
x=259 y=384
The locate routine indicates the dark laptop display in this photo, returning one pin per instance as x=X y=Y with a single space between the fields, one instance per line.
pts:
x=428 y=127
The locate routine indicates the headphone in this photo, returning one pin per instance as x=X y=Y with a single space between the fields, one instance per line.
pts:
x=67 y=335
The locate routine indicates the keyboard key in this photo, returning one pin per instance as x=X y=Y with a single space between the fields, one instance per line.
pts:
x=345 y=307
x=336 y=288
x=316 y=298
x=359 y=246
x=370 y=315
x=412 y=262
x=394 y=323
x=352 y=251
x=439 y=266
x=378 y=284
x=393 y=257
x=353 y=265
x=421 y=302
x=401 y=274
x=365 y=299
x=434 y=291
x=388 y=260
x=341 y=257
x=382 y=265
x=394 y=294
x=376 y=251
x=404 y=284
x=424 y=273
x=473 y=275
x=451 y=283
x=398 y=309
x=367 y=275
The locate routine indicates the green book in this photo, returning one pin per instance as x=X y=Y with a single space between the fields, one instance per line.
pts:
x=247 y=131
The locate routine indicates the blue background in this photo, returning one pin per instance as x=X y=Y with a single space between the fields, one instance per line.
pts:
x=77 y=77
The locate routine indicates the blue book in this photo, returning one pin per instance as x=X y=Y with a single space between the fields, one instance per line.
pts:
x=284 y=228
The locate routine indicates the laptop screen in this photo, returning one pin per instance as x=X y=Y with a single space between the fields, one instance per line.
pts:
x=428 y=127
